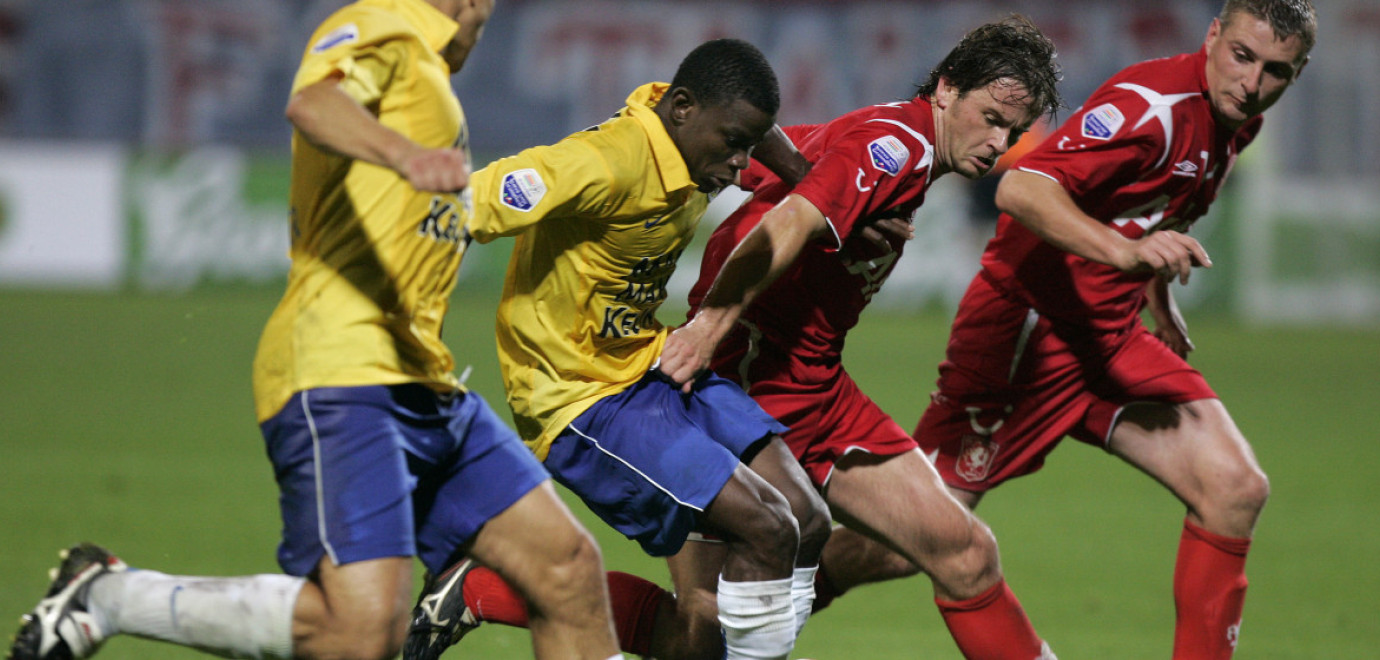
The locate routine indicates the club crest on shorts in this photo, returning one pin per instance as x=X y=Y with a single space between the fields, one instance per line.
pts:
x=888 y=154
x=975 y=457
x=522 y=190
x=1102 y=122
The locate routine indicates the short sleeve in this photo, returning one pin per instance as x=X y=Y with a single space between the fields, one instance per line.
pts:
x=873 y=166
x=564 y=180
x=1103 y=144
x=365 y=47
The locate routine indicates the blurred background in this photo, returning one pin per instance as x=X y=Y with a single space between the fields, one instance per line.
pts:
x=142 y=142
x=143 y=243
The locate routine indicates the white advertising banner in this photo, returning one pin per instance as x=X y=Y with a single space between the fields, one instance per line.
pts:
x=62 y=221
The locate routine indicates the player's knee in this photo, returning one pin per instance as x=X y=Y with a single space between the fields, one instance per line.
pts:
x=575 y=566
x=1244 y=489
x=815 y=526
x=970 y=563
x=772 y=535
x=367 y=632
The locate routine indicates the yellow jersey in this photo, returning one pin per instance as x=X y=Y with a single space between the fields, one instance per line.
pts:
x=373 y=259
x=601 y=218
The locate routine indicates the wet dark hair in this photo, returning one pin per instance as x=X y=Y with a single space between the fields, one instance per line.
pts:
x=722 y=71
x=1012 y=49
x=1288 y=18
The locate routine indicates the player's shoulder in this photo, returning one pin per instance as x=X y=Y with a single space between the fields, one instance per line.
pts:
x=1184 y=69
x=892 y=137
x=1144 y=89
x=357 y=24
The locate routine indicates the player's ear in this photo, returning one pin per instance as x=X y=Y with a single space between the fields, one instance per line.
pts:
x=1214 y=31
x=683 y=105
x=944 y=93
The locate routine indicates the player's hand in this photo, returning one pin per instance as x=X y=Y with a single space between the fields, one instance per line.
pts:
x=1170 y=254
x=871 y=237
x=436 y=170
x=1176 y=339
x=686 y=355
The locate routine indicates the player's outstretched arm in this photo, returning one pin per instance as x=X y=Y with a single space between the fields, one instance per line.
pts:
x=331 y=119
x=1043 y=205
x=766 y=252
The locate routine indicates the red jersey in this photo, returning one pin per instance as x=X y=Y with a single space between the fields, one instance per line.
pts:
x=1145 y=153
x=872 y=160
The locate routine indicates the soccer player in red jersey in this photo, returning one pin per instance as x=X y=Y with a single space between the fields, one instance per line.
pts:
x=1048 y=340
x=803 y=250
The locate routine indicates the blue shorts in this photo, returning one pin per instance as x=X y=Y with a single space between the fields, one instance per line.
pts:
x=649 y=459
x=390 y=471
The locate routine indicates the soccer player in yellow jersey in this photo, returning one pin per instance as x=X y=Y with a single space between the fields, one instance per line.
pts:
x=379 y=451
x=600 y=220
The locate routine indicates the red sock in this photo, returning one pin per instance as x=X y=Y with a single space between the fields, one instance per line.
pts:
x=492 y=600
x=825 y=591
x=636 y=603
x=992 y=625
x=1209 y=592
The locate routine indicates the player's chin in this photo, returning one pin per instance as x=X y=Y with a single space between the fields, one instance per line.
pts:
x=712 y=184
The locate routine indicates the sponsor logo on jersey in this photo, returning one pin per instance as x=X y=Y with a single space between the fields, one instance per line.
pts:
x=1102 y=122
x=888 y=154
x=1186 y=168
x=974 y=461
x=522 y=190
x=347 y=33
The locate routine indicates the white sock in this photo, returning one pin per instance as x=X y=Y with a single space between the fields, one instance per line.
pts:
x=240 y=617
x=758 y=619
x=803 y=595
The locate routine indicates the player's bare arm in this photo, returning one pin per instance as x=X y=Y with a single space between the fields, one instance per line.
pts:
x=1169 y=323
x=779 y=154
x=1043 y=205
x=333 y=120
x=766 y=252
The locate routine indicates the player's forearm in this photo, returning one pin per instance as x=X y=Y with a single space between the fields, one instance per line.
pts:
x=1042 y=205
x=1160 y=301
x=332 y=120
x=762 y=256
x=779 y=154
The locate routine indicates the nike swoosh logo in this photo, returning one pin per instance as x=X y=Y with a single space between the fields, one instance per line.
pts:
x=933 y=456
x=653 y=222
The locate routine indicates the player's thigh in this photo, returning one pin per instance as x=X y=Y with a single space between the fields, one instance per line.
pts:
x=1189 y=447
x=779 y=468
x=343 y=477
x=472 y=472
x=653 y=464
x=900 y=501
x=358 y=605
x=535 y=535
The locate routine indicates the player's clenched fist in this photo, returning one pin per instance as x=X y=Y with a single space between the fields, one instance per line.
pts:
x=437 y=170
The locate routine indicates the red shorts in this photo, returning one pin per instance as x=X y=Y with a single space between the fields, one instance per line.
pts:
x=1014 y=383
x=827 y=414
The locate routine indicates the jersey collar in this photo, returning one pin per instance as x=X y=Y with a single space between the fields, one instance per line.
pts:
x=675 y=175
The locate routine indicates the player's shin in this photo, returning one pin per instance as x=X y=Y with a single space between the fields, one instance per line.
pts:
x=1209 y=594
x=758 y=618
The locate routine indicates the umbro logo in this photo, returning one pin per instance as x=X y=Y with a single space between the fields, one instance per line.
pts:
x=1185 y=168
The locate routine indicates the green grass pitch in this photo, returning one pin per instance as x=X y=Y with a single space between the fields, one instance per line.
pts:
x=127 y=420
